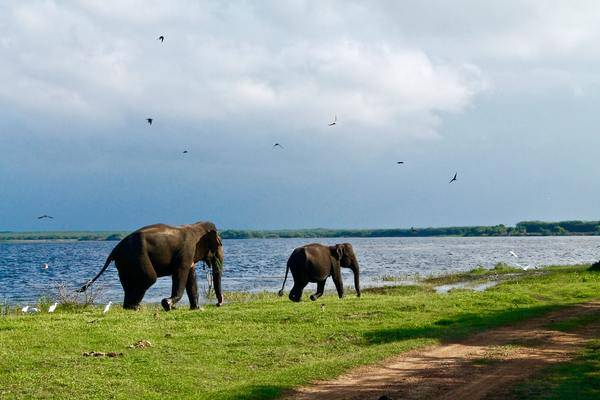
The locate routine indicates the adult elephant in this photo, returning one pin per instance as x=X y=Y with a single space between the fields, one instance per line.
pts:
x=160 y=250
x=315 y=263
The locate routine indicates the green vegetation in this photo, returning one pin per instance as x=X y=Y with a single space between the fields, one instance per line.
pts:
x=63 y=235
x=257 y=345
x=578 y=379
x=527 y=228
x=480 y=273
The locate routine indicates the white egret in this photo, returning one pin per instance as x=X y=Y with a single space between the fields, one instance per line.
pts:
x=52 y=307
x=107 y=307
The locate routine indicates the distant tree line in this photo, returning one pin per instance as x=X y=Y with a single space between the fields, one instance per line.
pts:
x=525 y=228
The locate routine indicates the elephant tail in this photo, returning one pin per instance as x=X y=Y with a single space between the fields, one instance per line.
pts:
x=89 y=283
x=287 y=269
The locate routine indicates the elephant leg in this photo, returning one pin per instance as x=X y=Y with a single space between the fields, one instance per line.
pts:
x=296 y=292
x=320 y=290
x=180 y=277
x=135 y=279
x=336 y=275
x=191 y=288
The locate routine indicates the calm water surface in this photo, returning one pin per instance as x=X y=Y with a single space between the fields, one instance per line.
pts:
x=255 y=264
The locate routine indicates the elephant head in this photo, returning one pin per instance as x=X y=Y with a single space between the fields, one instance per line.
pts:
x=210 y=250
x=344 y=254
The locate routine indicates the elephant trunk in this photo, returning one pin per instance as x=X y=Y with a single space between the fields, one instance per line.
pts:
x=217 y=272
x=356 y=271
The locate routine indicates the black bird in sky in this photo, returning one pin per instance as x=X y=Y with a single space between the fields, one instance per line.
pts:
x=149 y=120
x=400 y=162
x=185 y=152
x=277 y=145
x=45 y=216
x=454 y=178
x=334 y=121
x=161 y=38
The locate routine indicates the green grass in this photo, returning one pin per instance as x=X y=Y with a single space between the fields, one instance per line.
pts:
x=258 y=345
x=480 y=273
x=578 y=379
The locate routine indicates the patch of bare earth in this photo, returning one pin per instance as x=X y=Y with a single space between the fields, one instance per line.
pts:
x=484 y=366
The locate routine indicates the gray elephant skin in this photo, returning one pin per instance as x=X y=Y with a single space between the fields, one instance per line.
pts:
x=162 y=250
x=315 y=263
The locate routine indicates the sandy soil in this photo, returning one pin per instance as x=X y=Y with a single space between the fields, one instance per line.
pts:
x=485 y=366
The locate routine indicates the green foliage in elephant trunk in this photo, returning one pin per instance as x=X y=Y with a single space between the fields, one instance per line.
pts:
x=215 y=260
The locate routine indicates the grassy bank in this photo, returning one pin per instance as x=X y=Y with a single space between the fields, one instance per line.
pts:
x=256 y=346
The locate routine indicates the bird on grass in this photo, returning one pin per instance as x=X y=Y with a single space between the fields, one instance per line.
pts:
x=45 y=216
x=149 y=120
x=52 y=307
x=524 y=267
x=161 y=38
x=277 y=145
x=453 y=178
x=334 y=121
x=107 y=307
x=28 y=309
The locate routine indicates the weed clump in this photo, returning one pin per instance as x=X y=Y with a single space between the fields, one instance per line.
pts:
x=595 y=266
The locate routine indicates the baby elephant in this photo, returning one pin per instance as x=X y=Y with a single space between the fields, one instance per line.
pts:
x=315 y=262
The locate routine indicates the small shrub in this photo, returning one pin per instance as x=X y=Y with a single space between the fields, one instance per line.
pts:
x=595 y=266
x=504 y=267
x=479 y=270
x=71 y=299
x=4 y=308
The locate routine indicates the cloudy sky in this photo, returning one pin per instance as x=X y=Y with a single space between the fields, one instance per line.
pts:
x=506 y=93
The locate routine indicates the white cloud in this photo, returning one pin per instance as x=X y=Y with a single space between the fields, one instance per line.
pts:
x=222 y=60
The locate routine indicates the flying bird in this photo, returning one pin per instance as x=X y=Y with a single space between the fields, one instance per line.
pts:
x=399 y=162
x=44 y=266
x=334 y=121
x=454 y=178
x=277 y=145
x=185 y=152
x=45 y=216
x=107 y=307
x=52 y=307
x=512 y=253
x=149 y=120
x=161 y=38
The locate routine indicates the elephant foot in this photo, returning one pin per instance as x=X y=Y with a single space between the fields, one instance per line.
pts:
x=314 y=297
x=134 y=307
x=167 y=304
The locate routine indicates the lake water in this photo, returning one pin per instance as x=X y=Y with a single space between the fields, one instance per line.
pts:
x=255 y=264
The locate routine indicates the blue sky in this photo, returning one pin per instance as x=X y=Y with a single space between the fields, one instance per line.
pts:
x=504 y=93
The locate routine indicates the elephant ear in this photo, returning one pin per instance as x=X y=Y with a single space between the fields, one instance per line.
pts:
x=337 y=251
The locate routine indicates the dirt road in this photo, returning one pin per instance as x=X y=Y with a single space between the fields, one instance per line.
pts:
x=485 y=366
